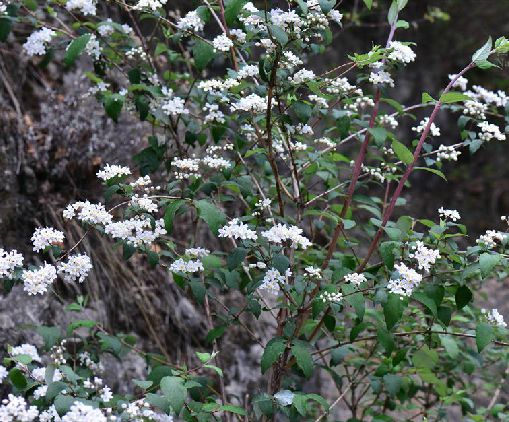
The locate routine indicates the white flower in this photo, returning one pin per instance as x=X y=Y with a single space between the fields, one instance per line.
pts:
x=452 y=215
x=460 y=83
x=186 y=167
x=112 y=171
x=331 y=297
x=302 y=76
x=355 y=278
x=425 y=257
x=239 y=35
x=326 y=141
x=87 y=7
x=39 y=374
x=434 y=129
x=94 y=50
x=252 y=102
x=284 y=397
x=389 y=120
x=15 y=408
x=447 y=153
x=40 y=392
x=197 y=252
x=222 y=43
x=46 y=236
x=281 y=233
x=494 y=318
x=26 y=349
x=313 y=272
x=80 y=412
x=76 y=268
x=290 y=59
x=150 y=4
x=175 y=106
x=182 y=266
x=3 y=7
x=490 y=131
x=37 y=281
x=9 y=261
x=3 y=373
x=335 y=16
x=191 y=21
x=35 y=44
x=381 y=77
x=408 y=280
x=144 y=203
x=271 y=281
x=400 y=52
x=475 y=109
x=105 y=29
x=213 y=114
x=490 y=238
x=136 y=231
x=106 y=394
x=88 y=213
x=247 y=71
x=235 y=229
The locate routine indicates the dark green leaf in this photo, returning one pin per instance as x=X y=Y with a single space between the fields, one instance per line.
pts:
x=484 y=335
x=462 y=297
x=113 y=105
x=212 y=215
x=275 y=347
x=393 y=310
x=203 y=53
x=75 y=48
x=174 y=390
x=402 y=152
x=303 y=358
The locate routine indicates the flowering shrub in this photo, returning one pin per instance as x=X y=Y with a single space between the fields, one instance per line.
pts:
x=298 y=176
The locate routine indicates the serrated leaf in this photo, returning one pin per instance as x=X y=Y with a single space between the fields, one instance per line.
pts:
x=75 y=48
x=393 y=310
x=303 y=358
x=213 y=216
x=484 y=335
x=113 y=105
x=203 y=53
x=483 y=53
x=402 y=152
x=463 y=297
x=488 y=261
x=174 y=390
x=454 y=97
x=273 y=350
x=426 y=98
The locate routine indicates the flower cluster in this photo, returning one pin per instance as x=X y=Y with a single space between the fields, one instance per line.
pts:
x=235 y=229
x=46 y=236
x=114 y=171
x=281 y=233
x=9 y=261
x=355 y=278
x=452 y=215
x=424 y=256
x=331 y=297
x=36 y=281
x=36 y=43
x=406 y=282
x=76 y=268
x=494 y=317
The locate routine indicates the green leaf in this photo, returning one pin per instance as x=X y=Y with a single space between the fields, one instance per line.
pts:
x=279 y=34
x=434 y=171
x=385 y=339
x=273 y=350
x=426 y=98
x=144 y=385
x=213 y=216
x=75 y=48
x=386 y=250
x=483 y=53
x=236 y=257
x=17 y=378
x=379 y=135
x=63 y=403
x=368 y=3
x=393 y=384
x=233 y=409
x=454 y=97
x=281 y=263
x=392 y=16
x=170 y=212
x=113 y=105
x=174 y=390
x=484 y=335
x=402 y=152
x=425 y=358
x=450 y=345
x=203 y=53
x=463 y=297
x=393 y=310
x=5 y=28
x=426 y=301
x=54 y=389
x=232 y=10
x=303 y=358
x=488 y=261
